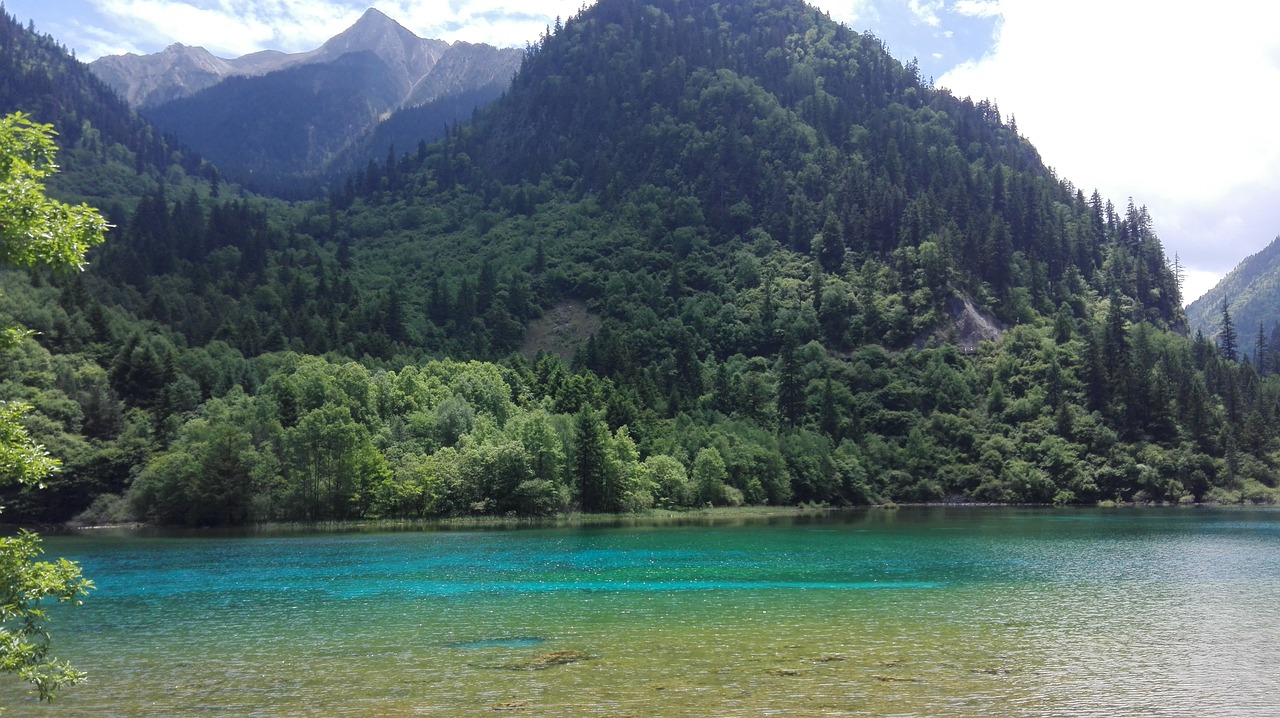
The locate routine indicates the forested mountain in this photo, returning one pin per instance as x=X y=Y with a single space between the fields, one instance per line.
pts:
x=268 y=128
x=699 y=253
x=285 y=124
x=1251 y=296
x=109 y=154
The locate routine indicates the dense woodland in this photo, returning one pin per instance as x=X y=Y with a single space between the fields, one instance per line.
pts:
x=773 y=238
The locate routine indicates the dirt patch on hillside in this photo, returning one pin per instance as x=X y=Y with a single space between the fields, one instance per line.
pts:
x=966 y=327
x=971 y=325
x=562 y=330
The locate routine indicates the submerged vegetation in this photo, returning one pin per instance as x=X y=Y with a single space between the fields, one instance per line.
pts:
x=778 y=268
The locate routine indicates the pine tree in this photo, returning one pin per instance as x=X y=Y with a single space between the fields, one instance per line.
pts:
x=590 y=444
x=790 y=387
x=1260 y=350
x=1227 y=336
x=830 y=249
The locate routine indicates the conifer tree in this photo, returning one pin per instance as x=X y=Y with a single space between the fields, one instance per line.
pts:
x=590 y=458
x=1260 y=350
x=830 y=249
x=1227 y=336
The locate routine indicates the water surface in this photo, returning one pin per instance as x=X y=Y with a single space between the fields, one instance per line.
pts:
x=918 y=612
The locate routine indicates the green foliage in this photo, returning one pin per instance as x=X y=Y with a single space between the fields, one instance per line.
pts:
x=21 y=460
x=1251 y=292
x=34 y=231
x=24 y=636
x=37 y=230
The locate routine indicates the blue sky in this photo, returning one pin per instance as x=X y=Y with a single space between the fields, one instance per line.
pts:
x=1172 y=104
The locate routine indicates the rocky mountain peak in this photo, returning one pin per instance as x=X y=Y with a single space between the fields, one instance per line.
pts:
x=408 y=55
x=180 y=70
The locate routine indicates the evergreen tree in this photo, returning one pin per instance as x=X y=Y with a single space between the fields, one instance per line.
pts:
x=790 y=387
x=1260 y=357
x=830 y=244
x=1227 y=335
x=590 y=460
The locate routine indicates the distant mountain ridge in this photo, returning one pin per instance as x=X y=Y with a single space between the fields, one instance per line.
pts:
x=181 y=71
x=1251 y=293
x=283 y=123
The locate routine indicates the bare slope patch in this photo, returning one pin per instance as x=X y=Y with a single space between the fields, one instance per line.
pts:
x=562 y=330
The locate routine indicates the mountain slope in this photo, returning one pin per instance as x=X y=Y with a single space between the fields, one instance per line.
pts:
x=464 y=67
x=174 y=72
x=110 y=156
x=1251 y=293
x=288 y=121
x=777 y=119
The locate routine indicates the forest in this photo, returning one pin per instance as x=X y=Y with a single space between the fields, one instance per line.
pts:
x=697 y=254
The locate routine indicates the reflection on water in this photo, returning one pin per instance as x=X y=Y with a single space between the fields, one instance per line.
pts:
x=919 y=612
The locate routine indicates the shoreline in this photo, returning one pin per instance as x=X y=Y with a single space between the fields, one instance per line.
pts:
x=705 y=517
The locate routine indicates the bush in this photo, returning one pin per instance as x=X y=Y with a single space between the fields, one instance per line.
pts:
x=539 y=497
x=106 y=509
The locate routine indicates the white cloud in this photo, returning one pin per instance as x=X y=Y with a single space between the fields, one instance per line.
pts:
x=229 y=27
x=851 y=12
x=504 y=23
x=926 y=11
x=92 y=42
x=977 y=8
x=1172 y=104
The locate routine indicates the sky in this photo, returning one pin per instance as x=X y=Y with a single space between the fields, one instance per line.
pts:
x=1170 y=103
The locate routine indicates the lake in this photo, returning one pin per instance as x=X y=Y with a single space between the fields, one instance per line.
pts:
x=916 y=612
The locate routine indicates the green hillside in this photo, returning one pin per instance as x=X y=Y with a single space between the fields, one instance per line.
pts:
x=1251 y=295
x=109 y=154
x=699 y=253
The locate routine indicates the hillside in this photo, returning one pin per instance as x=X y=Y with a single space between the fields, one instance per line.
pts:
x=1251 y=293
x=110 y=155
x=288 y=122
x=781 y=266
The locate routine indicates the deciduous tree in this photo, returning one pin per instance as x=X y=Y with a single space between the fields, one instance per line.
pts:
x=34 y=231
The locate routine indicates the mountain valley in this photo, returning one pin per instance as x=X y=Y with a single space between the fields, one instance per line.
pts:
x=692 y=254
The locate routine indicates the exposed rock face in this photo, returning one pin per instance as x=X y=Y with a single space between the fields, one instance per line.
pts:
x=971 y=325
x=174 y=72
x=408 y=56
x=965 y=326
x=424 y=69
x=462 y=67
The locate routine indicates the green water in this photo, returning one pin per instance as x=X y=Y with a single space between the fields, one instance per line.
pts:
x=929 y=612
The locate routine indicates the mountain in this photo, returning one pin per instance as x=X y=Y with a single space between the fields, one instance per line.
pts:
x=285 y=122
x=110 y=155
x=698 y=253
x=179 y=71
x=278 y=122
x=408 y=128
x=1251 y=293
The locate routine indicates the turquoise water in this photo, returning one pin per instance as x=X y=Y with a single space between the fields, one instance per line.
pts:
x=918 y=612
